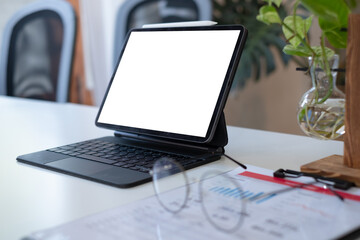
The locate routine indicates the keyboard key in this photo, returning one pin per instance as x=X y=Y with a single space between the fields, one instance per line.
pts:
x=149 y=158
x=139 y=157
x=119 y=164
x=66 y=147
x=143 y=169
x=128 y=165
x=133 y=161
x=121 y=159
x=114 y=151
x=97 y=159
x=134 y=168
x=98 y=154
x=74 y=154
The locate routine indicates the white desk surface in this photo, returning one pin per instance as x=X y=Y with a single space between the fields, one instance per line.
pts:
x=32 y=198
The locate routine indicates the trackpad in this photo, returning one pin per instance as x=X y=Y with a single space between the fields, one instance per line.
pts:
x=79 y=166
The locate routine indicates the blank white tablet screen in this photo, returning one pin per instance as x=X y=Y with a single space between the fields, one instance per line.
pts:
x=169 y=81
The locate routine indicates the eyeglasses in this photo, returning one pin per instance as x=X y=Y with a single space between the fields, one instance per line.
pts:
x=220 y=196
x=172 y=189
x=327 y=183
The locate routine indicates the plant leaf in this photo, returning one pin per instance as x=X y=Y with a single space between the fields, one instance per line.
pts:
x=308 y=22
x=333 y=33
x=337 y=39
x=268 y=15
x=300 y=51
x=333 y=16
x=276 y=2
x=351 y=3
x=329 y=52
x=302 y=27
x=334 y=11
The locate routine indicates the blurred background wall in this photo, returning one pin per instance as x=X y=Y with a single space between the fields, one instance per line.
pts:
x=266 y=101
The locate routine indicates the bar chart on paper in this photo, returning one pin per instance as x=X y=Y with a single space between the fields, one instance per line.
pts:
x=257 y=197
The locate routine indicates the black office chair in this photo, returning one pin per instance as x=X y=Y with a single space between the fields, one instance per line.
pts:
x=136 y=13
x=37 y=50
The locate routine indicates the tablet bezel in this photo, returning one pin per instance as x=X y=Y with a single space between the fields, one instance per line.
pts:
x=220 y=104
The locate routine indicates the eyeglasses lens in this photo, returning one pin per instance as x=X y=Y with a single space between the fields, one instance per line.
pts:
x=168 y=175
x=222 y=201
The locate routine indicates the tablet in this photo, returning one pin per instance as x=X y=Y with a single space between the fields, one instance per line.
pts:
x=172 y=82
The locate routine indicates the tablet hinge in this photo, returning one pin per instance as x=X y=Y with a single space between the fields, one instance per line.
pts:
x=216 y=150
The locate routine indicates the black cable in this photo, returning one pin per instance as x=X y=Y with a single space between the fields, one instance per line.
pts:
x=238 y=163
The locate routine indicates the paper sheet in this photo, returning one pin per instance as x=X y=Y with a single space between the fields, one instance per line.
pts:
x=312 y=213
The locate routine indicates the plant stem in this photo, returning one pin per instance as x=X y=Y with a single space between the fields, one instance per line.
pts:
x=327 y=71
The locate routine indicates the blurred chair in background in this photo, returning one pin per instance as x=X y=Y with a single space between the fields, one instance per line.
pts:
x=135 y=13
x=37 y=51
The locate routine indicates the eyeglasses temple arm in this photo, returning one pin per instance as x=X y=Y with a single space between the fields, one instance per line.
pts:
x=290 y=188
x=335 y=193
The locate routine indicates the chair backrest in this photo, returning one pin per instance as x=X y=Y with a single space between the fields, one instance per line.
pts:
x=37 y=50
x=135 y=13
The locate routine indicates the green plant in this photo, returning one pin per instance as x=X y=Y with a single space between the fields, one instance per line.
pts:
x=260 y=38
x=317 y=116
x=332 y=16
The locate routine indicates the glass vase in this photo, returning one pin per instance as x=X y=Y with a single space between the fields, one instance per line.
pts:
x=321 y=110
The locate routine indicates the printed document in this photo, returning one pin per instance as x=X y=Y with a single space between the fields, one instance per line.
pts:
x=302 y=213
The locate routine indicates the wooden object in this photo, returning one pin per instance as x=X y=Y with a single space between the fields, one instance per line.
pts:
x=333 y=166
x=352 y=86
x=347 y=167
x=78 y=90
